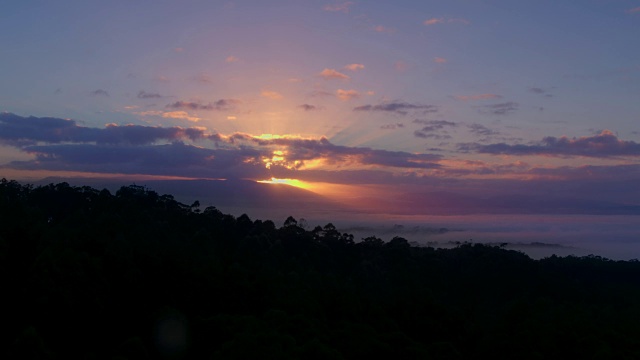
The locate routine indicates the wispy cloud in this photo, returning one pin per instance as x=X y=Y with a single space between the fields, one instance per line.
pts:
x=432 y=126
x=397 y=107
x=440 y=60
x=180 y=115
x=540 y=91
x=339 y=7
x=479 y=129
x=391 y=126
x=433 y=21
x=231 y=59
x=477 y=97
x=384 y=29
x=332 y=74
x=346 y=95
x=603 y=145
x=99 y=92
x=273 y=95
x=354 y=67
x=499 y=109
x=634 y=10
x=222 y=104
x=145 y=95
x=308 y=107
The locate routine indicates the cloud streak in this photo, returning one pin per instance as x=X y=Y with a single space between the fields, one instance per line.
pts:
x=603 y=145
x=402 y=108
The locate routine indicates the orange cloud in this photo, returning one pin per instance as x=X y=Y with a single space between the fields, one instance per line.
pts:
x=231 y=59
x=331 y=74
x=273 y=95
x=354 y=67
x=180 y=115
x=346 y=95
x=440 y=60
x=477 y=97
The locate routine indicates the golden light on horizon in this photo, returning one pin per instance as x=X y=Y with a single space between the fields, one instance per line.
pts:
x=291 y=182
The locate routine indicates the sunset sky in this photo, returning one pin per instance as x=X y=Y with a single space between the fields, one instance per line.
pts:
x=407 y=107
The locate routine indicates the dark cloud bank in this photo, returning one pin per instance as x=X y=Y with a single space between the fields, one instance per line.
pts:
x=61 y=144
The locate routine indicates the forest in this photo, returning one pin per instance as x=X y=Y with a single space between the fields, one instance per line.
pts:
x=87 y=274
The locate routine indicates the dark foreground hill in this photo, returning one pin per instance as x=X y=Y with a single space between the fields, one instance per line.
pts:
x=87 y=274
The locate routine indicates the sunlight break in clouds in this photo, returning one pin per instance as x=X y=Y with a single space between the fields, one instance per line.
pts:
x=332 y=74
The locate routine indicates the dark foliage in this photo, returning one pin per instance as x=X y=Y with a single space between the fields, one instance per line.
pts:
x=134 y=275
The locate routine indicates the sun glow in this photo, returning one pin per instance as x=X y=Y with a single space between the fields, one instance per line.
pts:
x=291 y=182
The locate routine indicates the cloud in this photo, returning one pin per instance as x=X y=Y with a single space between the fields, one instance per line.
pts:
x=633 y=11
x=331 y=74
x=482 y=130
x=440 y=60
x=321 y=93
x=231 y=59
x=499 y=109
x=99 y=92
x=273 y=95
x=346 y=95
x=603 y=145
x=432 y=126
x=540 y=91
x=401 y=108
x=477 y=97
x=308 y=107
x=145 y=95
x=384 y=29
x=180 y=115
x=220 y=105
x=339 y=7
x=433 y=21
x=354 y=67
x=391 y=126
x=25 y=131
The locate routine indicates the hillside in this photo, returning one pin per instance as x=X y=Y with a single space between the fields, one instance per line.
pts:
x=134 y=274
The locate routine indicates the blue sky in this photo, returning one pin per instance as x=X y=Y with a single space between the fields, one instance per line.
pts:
x=385 y=100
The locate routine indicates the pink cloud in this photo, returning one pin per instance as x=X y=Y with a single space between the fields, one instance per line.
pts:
x=433 y=21
x=354 y=67
x=231 y=59
x=384 y=29
x=634 y=10
x=346 y=95
x=332 y=74
x=339 y=7
x=440 y=60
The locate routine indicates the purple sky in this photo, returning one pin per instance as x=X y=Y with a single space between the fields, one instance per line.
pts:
x=403 y=107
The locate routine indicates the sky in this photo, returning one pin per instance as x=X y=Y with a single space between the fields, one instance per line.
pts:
x=399 y=107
